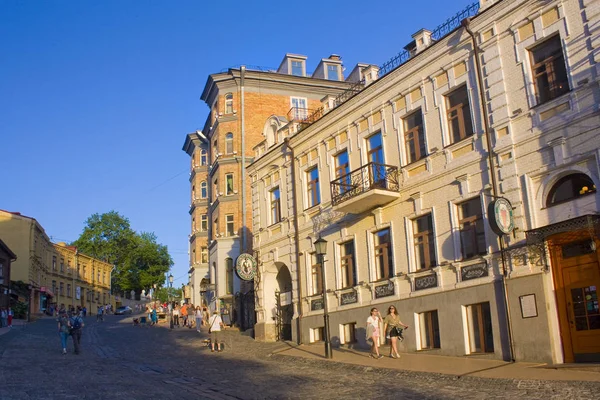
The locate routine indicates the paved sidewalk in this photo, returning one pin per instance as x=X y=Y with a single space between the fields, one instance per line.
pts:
x=456 y=366
x=16 y=324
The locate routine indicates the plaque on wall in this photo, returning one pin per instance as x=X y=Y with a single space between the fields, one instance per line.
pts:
x=426 y=282
x=349 y=298
x=474 y=271
x=528 y=306
x=316 y=304
x=384 y=290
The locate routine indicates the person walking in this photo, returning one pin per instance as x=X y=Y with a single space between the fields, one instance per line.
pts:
x=64 y=327
x=392 y=327
x=191 y=314
x=76 y=330
x=11 y=314
x=154 y=316
x=198 y=318
x=205 y=316
x=100 y=314
x=3 y=318
x=373 y=332
x=183 y=314
x=176 y=316
x=215 y=324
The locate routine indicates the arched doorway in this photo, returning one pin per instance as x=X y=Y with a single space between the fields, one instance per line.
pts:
x=285 y=309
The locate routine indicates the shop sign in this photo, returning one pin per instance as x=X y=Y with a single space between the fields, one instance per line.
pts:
x=349 y=298
x=384 y=290
x=426 y=282
x=285 y=298
x=474 y=271
x=245 y=266
x=317 y=304
x=502 y=221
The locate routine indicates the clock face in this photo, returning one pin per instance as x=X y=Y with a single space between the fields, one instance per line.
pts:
x=503 y=216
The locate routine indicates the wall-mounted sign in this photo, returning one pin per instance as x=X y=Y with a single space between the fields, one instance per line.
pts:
x=245 y=266
x=474 y=271
x=528 y=306
x=285 y=298
x=316 y=304
x=501 y=216
x=426 y=282
x=349 y=298
x=384 y=290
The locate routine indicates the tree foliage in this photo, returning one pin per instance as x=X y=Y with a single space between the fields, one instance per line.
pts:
x=140 y=261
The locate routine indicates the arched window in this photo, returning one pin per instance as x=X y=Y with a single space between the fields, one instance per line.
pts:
x=570 y=187
x=203 y=157
x=229 y=143
x=203 y=187
x=229 y=103
x=229 y=275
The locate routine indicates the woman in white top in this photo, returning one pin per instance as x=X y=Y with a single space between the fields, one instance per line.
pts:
x=373 y=331
x=198 y=318
x=176 y=316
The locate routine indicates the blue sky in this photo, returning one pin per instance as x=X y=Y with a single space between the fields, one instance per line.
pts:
x=96 y=97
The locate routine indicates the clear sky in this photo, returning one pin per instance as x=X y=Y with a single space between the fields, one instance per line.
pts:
x=96 y=97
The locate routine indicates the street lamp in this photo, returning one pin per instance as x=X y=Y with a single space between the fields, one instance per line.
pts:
x=170 y=303
x=321 y=249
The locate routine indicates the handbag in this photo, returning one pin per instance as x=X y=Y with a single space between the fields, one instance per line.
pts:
x=211 y=325
x=399 y=332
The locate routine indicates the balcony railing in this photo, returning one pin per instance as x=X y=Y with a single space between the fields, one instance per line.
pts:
x=303 y=115
x=368 y=177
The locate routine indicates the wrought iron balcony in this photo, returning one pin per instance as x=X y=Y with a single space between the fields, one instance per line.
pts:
x=365 y=188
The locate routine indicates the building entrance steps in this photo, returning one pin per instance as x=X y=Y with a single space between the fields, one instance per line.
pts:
x=456 y=366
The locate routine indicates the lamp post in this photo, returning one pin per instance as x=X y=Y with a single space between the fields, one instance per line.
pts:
x=321 y=249
x=170 y=303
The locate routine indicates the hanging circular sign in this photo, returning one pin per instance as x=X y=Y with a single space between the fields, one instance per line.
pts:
x=502 y=221
x=245 y=266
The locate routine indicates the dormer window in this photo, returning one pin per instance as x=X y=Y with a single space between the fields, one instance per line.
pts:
x=333 y=73
x=297 y=68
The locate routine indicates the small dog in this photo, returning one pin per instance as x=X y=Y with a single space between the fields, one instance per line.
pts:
x=136 y=321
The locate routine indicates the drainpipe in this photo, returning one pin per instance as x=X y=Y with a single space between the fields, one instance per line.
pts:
x=466 y=23
x=296 y=241
x=244 y=227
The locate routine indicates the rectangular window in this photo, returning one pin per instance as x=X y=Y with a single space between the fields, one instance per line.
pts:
x=54 y=287
x=342 y=169
x=62 y=289
x=229 y=276
x=414 y=137
x=424 y=243
x=384 y=264
x=68 y=290
x=349 y=333
x=459 y=114
x=549 y=71
x=430 y=330
x=275 y=206
x=229 y=225
x=204 y=255
x=300 y=110
x=318 y=334
x=375 y=156
x=472 y=230
x=348 y=264
x=203 y=157
x=62 y=265
x=316 y=275
x=297 y=68
x=479 y=319
x=204 y=222
x=53 y=263
x=313 y=191
x=229 y=184
x=332 y=73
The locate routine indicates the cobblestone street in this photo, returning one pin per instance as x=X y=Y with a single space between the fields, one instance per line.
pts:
x=126 y=362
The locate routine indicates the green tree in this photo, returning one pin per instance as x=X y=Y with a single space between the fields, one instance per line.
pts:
x=139 y=259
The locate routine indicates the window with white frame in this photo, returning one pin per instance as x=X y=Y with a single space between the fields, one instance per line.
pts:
x=312 y=187
x=229 y=184
x=569 y=188
x=414 y=137
x=204 y=222
x=342 y=170
x=348 y=333
x=549 y=71
x=203 y=255
x=53 y=263
x=299 y=108
x=458 y=113
x=479 y=322
x=297 y=68
x=203 y=190
x=229 y=143
x=229 y=103
x=316 y=275
x=424 y=242
x=429 y=330
x=384 y=263
x=203 y=157
x=348 y=264
x=275 y=206
x=317 y=334
x=333 y=72
x=230 y=228
x=472 y=228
